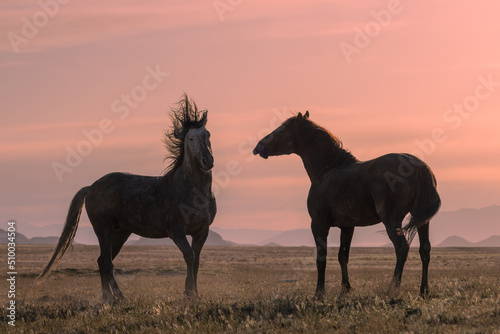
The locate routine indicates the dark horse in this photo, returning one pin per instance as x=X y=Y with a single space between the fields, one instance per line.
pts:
x=174 y=205
x=346 y=193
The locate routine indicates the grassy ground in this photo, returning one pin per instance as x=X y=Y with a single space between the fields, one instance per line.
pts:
x=255 y=290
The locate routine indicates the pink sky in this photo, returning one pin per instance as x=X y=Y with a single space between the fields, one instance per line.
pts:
x=251 y=65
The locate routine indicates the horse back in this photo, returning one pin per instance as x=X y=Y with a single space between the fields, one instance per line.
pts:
x=364 y=193
x=126 y=201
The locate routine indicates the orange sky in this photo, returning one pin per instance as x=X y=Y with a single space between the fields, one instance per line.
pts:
x=381 y=75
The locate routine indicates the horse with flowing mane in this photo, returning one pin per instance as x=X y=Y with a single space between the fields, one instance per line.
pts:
x=174 y=205
x=346 y=192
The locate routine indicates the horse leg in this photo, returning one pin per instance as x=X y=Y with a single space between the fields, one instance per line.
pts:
x=182 y=243
x=320 y=237
x=197 y=244
x=346 y=234
x=401 y=247
x=118 y=239
x=425 y=257
x=105 y=266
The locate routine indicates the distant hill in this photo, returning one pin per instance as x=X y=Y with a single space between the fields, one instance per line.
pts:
x=371 y=236
x=21 y=239
x=299 y=237
x=454 y=241
x=46 y=241
x=245 y=235
x=84 y=234
x=468 y=224
x=493 y=241
x=472 y=224
x=213 y=239
x=271 y=244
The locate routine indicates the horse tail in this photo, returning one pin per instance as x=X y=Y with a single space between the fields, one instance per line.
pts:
x=69 y=230
x=427 y=202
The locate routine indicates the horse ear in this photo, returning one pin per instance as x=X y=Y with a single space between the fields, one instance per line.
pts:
x=299 y=116
x=306 y=115
x=204 y=118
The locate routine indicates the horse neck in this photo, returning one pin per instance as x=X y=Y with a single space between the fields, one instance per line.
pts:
x=320 y=152
x=193 y=179
x=197 y=178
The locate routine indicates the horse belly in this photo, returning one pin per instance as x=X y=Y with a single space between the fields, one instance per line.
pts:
x=147 y=223
x=351 y=204
x=354 y=217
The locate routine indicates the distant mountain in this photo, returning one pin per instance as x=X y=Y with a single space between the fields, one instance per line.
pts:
x=454 y=241
x=371 y=236
x=271 y=244
x=245 y=235
x=84 y=234
x=299 y=237
x=21 y=239
x=214 y=239
x=473 y=224
x=469 y=224
x=493 y=241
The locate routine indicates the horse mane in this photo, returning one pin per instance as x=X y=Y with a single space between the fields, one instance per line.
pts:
x=312 y=133
x=184 y=117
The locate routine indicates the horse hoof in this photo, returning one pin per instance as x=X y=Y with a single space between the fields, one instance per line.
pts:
x=424 y=294
x=107 y=297
x=118 y=297
x=345 y=290
x=319 y=296
x=192 y=294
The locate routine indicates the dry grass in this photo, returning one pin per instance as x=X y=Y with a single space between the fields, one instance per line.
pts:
x=252 y=289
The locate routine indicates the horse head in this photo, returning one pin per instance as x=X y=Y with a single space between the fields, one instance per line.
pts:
x=282 y=140
x=198 y=150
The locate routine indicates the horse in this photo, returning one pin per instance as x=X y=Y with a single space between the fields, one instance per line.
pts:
x=346 y=192
x=180 y=202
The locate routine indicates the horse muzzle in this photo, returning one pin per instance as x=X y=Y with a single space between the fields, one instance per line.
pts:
x=207 y=163
x=261 y=150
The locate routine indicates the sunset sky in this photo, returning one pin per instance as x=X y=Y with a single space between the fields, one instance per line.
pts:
x=384 y=76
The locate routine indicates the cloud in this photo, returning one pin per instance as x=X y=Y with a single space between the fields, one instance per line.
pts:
x=86 y=22
x=49 y=141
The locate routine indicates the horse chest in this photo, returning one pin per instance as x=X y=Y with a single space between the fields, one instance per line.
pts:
x=198 y=209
